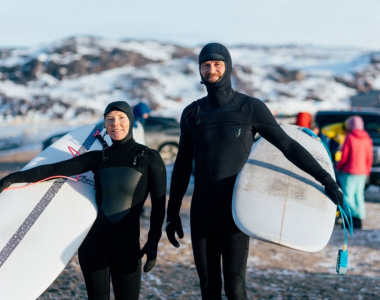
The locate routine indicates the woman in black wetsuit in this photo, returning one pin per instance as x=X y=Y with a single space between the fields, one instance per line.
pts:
x=217 y=132
x=124 y=174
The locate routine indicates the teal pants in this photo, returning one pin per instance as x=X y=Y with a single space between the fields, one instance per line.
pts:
x=353 y=191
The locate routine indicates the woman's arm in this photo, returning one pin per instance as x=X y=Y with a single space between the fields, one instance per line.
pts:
x=74 y=166
x=157 y=188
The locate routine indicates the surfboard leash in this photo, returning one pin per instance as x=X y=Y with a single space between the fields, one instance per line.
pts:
x=42 y=180
x=342 y=260
x=73 y=152
x=101 y=139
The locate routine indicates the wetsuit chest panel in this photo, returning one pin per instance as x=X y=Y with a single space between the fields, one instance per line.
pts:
x=118 y=186
x=222 y=144
x=229 y=124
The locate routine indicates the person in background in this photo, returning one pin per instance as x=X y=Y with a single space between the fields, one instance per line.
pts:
x=125 y=173
x=336 y=134
x=354 y=167
x=141 y=113
x=303 y=119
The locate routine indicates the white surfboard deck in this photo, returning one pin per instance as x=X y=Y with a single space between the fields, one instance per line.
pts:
x=42 y=226
x=276 y=202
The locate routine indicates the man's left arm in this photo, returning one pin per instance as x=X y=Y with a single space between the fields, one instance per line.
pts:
x=268 y=128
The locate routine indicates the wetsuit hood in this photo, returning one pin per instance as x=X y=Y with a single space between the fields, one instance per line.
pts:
x=125 y=108
x=219 y=92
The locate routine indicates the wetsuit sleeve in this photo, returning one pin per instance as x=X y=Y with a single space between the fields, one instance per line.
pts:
x=182 y=166
x=74 y=166
x=157 y=188
x=265 y=124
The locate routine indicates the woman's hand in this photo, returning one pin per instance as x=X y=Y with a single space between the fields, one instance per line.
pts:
x=150 y=249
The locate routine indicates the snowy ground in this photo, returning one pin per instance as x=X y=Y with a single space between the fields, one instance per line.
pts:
x=273 y=272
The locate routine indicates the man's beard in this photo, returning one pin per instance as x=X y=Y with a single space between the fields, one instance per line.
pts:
x=211 y=75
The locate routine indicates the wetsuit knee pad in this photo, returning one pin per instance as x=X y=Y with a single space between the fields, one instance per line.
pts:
x=234 y=286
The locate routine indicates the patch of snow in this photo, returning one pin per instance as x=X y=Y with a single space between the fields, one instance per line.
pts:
x=11 y=89
x=149 y=49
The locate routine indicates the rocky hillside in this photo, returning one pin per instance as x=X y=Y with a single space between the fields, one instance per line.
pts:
x=78 y=76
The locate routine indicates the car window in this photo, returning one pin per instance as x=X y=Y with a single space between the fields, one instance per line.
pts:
x=323 y=120
x=160 y=123
x=372 y=125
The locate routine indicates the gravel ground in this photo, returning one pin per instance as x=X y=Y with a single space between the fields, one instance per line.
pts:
x=273 y=272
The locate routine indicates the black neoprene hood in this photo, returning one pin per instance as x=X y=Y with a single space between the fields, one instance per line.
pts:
x=125 y=108
x=214 y=51
x=219 y=92
x=118 y=105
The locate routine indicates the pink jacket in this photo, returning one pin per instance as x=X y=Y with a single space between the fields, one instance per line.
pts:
x=357 y=154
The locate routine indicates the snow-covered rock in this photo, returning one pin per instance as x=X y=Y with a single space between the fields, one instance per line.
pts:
x=77 y=77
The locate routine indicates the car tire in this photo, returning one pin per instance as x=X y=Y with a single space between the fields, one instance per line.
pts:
x=168 y=152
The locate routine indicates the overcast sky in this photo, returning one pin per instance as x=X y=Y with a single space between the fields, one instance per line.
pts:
x=262 y=22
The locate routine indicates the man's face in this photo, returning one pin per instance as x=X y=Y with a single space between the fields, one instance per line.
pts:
x=213 y=70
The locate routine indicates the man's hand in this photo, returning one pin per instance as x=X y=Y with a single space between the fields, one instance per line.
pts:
x=5 y=182
x=150 y=249
x=174 y=226
x=334 y=192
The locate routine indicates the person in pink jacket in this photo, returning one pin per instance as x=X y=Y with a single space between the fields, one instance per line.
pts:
x=355 y=167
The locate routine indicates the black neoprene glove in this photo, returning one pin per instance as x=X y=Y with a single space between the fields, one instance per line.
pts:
x=150 y=249
x=174 y=225
x=5 y=182
x=334 y=192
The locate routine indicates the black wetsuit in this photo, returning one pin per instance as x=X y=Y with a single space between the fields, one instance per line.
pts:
x=124 y=177
x=218 y=131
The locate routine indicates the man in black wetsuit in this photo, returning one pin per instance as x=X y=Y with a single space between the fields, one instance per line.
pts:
x=217 y=131
x=124 y=174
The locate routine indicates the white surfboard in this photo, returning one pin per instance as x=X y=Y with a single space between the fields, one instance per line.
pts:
x=42 y=226
x=275 y=201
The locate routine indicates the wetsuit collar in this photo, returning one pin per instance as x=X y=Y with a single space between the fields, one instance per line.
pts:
x=219 y=98
x=124 y=144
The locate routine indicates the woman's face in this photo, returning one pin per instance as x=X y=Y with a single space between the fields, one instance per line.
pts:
x=117 y=125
